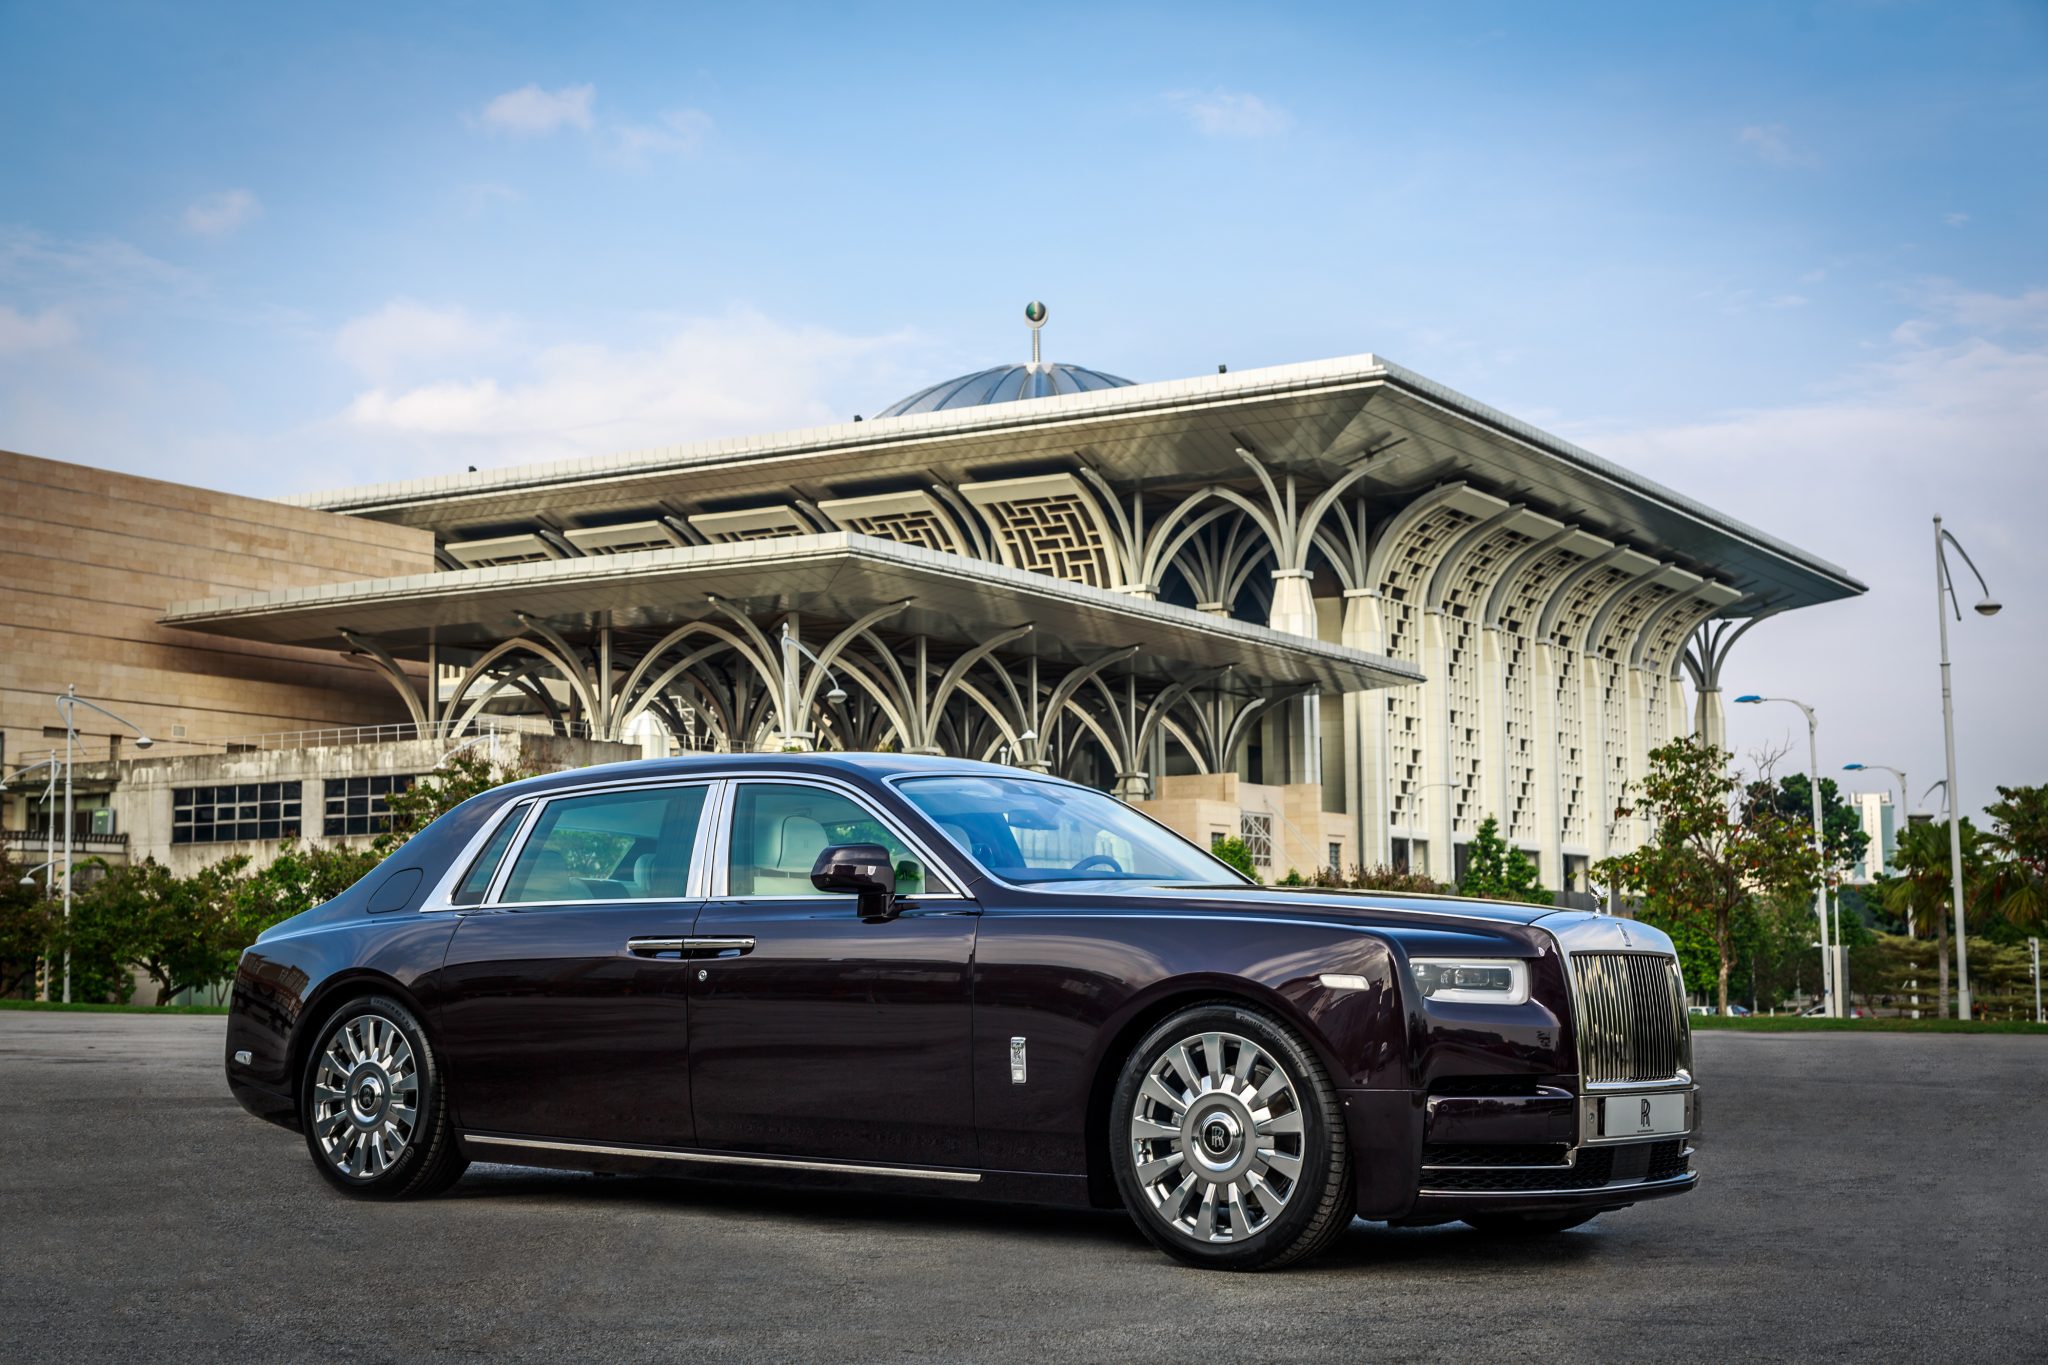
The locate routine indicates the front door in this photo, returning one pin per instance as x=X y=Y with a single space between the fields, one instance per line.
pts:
x=816 y=1033
x=564 y=1004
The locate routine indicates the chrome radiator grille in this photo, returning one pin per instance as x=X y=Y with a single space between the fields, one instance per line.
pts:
x=1631 y=1016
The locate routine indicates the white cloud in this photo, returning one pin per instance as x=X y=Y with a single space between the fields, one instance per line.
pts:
x=677 y=133
x=1226 y=113
x=1955 y=219
x=740 y=372
x=1947 y=421
x=45 y=331
x=405 y=336
x=1772 y=144
x=530 y=110
x=218 y=215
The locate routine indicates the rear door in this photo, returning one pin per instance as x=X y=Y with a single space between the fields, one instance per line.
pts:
x=564 y=1010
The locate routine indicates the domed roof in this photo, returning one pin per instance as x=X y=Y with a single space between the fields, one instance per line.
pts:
x=1004 y=384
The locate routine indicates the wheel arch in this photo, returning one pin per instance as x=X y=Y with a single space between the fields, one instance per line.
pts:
x=354 y=984
x=1165 y=999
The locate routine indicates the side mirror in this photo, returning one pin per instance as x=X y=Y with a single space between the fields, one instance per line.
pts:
x=866 y=870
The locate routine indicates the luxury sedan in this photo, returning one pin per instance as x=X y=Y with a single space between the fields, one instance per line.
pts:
x=916 y=974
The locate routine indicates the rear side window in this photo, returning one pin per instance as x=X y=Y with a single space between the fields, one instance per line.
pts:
x=609 y=846
x=478 y=879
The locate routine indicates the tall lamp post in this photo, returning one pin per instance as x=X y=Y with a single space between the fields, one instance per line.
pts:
x=1944 y=601
x=67 y=707
x=1832 y=968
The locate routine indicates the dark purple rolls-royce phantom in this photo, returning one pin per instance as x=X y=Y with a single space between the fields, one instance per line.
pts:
x=918 y=974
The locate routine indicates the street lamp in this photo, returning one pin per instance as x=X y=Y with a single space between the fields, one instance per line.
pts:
x=792 y=646
x=1944 y=586
x=67 y=707
x=1832 y=970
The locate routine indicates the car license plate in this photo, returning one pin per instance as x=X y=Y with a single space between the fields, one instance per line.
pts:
x=1642 y=1115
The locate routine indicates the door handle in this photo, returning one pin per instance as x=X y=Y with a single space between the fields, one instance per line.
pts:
x=716 y=947
x=689 y=947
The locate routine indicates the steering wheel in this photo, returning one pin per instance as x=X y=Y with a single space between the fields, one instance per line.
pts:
x=1094 y=859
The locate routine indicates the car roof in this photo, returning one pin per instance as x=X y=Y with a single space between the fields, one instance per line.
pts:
x=873 y=766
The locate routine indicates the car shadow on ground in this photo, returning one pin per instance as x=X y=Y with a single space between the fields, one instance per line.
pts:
x=1364 y=1245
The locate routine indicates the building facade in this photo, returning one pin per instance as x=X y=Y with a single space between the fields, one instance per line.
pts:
x=1334 y=608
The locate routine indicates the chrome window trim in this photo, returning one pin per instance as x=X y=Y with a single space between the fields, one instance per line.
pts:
x=694 y=890
x=439 y=896
x=721 y=882
x=1041 y=888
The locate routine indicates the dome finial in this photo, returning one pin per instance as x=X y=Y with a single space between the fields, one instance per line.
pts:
x=1034 y=314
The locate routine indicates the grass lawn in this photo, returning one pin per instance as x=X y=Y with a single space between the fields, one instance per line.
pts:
x=1786 y=1023
x=111 y=1009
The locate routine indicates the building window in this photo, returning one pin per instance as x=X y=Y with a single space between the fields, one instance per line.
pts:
x=1336 y=863
x=355 y=805
x=219 y=815
x=1257 y=833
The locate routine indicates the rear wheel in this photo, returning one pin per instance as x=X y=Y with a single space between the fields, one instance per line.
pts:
x=372 y=1107
x=1528 y=1224
x=1227 y=1141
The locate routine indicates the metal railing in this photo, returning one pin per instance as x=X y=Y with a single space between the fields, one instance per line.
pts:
x=339 y=736
x=81 y=838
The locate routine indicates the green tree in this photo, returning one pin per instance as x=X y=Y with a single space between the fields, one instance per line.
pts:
x=2017 y=845
x=180 y=932
x=300 y=877
x=1238 y=854
x=1921 y=891
x=1497 y=872
x=24 y=924
x=1713 y=844
x=1842 y=834
x=467 y=774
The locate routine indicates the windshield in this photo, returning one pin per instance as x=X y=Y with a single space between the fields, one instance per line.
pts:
x=1028 y=831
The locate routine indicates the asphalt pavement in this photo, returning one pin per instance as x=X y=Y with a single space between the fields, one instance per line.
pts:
x=1871 y=1197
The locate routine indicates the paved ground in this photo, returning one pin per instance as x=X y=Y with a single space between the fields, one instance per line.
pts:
x=1876 y=1197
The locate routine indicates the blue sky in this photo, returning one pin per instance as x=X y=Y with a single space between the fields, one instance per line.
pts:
x=1786 y=258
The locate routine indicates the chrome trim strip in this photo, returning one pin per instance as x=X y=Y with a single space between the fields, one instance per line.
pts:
x=1620 y=1187
x=727 y=1159
x=721 y=886
x=1547 y=1166
x=716 y=944
x=656 y=945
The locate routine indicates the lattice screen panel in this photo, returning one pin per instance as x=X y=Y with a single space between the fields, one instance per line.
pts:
x=1409 y=566
x=1571 y=746
x=1471 y=580
x=1612 y=650
x=1048 y=524
x=911 y=518
x=1518 y=723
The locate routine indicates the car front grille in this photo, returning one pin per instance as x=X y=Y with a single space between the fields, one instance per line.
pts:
x=1630 y=1009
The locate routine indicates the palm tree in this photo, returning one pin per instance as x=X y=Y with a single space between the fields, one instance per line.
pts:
x=2018 y=845
x=1920 y=893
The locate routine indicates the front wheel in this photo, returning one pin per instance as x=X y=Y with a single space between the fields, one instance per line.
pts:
x=1227 y=1141
x=372 y=1108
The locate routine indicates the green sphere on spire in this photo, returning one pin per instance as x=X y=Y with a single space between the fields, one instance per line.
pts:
x=1034 y=313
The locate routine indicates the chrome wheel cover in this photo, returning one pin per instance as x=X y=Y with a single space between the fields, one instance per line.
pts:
x=366 y=1096
x=1217 y=1137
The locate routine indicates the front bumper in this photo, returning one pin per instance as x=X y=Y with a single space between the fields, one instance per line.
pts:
x=1436 y=1157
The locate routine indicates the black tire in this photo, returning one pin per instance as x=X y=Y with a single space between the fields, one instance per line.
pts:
x=1284 y=1201
x=372 y=1105
x=1528 y=1224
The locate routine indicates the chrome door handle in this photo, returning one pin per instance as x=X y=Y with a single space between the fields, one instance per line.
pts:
x=645 y=946
x=714 y=947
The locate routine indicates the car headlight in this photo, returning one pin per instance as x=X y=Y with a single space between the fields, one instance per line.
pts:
x=1475 y=981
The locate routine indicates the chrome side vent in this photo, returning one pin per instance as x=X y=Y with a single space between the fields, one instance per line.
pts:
x=1630 y=1010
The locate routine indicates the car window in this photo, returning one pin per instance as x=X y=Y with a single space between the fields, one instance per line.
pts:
x=609 y=846
x=1030 y=831
x=779 y=829
x=478 y=879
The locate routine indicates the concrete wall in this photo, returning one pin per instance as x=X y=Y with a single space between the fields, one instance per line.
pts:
x=1205 y=806
x=90 y=559
x=144 y=798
